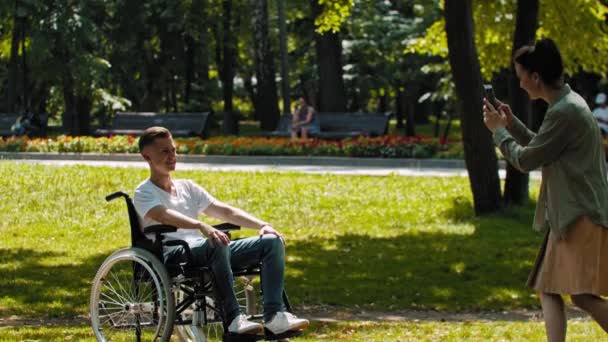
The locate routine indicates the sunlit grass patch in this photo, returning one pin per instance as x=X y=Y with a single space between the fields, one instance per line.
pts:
x=387 y=243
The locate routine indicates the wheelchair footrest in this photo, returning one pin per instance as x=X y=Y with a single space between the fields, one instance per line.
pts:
x=268 y=335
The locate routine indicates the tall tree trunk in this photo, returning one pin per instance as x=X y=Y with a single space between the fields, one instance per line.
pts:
x=69 y=117
x=332 y=93
x=189 y=66
x=400 y=105
x=84 y=104
x=201 y=7
x=268 y=107
x=480 y=156
x=383 y=101
x=26 y=87
x=410 y=110
x=284 y=60
x=229 y=125
x=517 y=183
x=13 y=65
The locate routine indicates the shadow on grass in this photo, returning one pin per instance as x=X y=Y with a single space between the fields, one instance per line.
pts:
x=483 y=269
x=33 y=288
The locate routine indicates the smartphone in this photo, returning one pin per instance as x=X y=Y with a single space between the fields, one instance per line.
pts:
x=489 y=93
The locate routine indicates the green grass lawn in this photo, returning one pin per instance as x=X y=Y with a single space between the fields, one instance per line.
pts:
x=381 y=243
x=354 y=242
x=365 y=331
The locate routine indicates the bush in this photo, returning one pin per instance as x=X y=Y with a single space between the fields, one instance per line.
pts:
x=390 y=146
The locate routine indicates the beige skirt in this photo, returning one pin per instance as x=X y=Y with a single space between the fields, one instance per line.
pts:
x=577 y=264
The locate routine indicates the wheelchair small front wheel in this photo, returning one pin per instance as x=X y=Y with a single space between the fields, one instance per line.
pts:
x=213 y=330
x=131 y=298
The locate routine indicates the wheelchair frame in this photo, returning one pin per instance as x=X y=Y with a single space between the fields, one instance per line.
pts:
x=134 y=294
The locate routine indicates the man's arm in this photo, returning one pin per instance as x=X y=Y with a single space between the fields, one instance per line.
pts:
x=174 y=218
x=228 y=213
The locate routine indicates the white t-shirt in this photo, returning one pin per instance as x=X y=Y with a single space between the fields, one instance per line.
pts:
x=602 y=113
x=190 y=200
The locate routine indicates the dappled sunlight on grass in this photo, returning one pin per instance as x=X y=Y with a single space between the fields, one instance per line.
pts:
x=378 y=242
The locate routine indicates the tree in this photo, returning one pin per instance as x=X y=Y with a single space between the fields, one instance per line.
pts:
x=331 y=95
x=480 y=156
x=516 y=183
x=66 y=52
x=494 y=38
x=266 y=89
x=284 y=57
x=227 y=67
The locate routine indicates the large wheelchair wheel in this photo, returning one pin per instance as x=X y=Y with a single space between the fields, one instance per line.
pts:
x=131 y=298
x=213 y=330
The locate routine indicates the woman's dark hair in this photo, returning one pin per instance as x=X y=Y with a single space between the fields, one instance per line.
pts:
x=543 y=58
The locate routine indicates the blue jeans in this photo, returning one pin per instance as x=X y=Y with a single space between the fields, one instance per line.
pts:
x=267 y=250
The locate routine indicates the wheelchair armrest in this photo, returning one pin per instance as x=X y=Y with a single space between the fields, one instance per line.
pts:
x=226 y=226
x=160 y=229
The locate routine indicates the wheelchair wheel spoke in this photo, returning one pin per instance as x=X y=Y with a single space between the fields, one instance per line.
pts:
x=122 y=289
x=110 y=300
x=109 y=286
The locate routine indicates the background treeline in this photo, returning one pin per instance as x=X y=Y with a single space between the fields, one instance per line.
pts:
x=81 y=60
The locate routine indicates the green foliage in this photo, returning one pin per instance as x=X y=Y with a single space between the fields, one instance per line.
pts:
x=335 y=12
x=373 y=47
x=577 y=26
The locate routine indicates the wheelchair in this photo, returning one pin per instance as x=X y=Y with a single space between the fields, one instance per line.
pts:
x=137 y=297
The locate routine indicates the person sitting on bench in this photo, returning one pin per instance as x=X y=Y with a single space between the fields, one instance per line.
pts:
x=304 y=120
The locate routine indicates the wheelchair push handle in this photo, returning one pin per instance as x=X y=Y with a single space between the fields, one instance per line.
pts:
x=115 y=195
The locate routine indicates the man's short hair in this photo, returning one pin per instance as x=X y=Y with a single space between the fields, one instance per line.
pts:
x=151 y=134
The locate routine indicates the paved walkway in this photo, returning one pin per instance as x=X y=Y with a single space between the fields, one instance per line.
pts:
x=316 y=165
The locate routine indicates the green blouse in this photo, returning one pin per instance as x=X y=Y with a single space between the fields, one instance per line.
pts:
x=569 y=148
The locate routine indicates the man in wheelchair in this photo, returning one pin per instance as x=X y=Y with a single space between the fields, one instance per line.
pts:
x=179 y=202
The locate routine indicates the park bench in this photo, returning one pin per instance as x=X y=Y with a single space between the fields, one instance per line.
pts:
x=7 y=120
x=337 y=125
x=180 y=124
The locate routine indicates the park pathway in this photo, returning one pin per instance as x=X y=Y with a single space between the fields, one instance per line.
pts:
x=314 y=165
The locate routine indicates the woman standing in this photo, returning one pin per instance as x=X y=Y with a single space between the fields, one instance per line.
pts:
x=573 y=201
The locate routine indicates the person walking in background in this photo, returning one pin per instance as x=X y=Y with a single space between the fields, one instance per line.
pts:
x=601 y=113
x=573 y=201
x=304 y=121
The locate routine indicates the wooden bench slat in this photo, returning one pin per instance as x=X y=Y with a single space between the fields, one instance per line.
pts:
x=340 y=125
x=180 y=124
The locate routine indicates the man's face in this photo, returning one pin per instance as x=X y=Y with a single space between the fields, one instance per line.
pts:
x=161 y=155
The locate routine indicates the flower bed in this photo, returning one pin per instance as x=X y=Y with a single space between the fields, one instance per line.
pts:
x=391 y=146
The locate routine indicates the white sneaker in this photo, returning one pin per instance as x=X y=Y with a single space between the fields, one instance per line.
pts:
x=286 y=321
x=241 y=325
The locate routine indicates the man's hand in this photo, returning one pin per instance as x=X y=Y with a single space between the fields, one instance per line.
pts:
x=267 y=229
x=215 y=236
